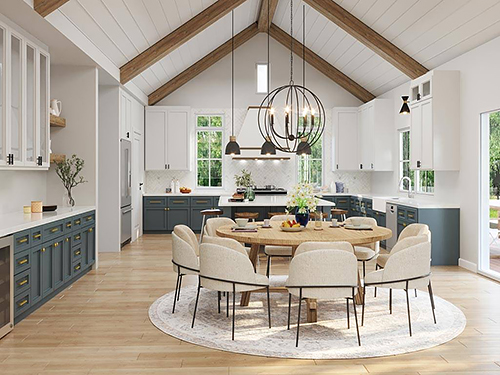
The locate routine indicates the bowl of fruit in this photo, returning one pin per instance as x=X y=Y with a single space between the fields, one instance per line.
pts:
x=291 y=226
x=185 y=190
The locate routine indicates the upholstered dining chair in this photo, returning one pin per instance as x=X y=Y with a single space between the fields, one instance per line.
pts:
x=185 y=252
x=310 y=246
x=366 y=252
x=405 y=269
x=325 y=274
x=225 y=270
x=215 y=223
x=277 y=251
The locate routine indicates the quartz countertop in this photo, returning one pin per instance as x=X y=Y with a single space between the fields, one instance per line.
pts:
x=18 y=221
x=265 y=201
x=197 y=193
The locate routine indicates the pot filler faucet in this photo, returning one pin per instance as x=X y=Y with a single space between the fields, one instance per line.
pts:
x=411 y=193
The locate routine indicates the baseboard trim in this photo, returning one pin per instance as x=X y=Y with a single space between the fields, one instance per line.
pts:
x=467 y=265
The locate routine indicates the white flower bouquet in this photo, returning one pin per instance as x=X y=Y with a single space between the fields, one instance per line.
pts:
x=302 y=198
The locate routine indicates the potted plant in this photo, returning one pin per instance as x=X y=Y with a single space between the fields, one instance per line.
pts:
x=302 y=200
x=244 y=179
x=68 y=171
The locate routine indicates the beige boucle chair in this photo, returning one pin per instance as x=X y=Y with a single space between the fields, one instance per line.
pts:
x=311 y=246
x=277 y=251
x=405 y=269
x=323 y=274
x=230 y=243
x=185 y=259
x=215 y=223
x=225 y=270
x=369 y=251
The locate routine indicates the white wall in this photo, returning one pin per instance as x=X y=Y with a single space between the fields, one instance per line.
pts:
x=479 y=81
x=76 y=87
x=19 y=188
x=210 y=92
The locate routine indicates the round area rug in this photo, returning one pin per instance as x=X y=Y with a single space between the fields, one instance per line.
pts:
x=383 y=334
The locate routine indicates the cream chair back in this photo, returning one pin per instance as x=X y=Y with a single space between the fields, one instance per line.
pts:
x=325 y=267
x=226 y=242
x=214 y=223
x=310 y=246
x=408 y=242
x=187 y=234
x=282 y=217
x=184 y=255
x=415 y=229
x=362 y=220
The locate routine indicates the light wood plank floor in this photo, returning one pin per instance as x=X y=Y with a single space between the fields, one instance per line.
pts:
x=100 y=326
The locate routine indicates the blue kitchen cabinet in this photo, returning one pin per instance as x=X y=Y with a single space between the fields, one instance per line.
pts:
x=36 y=274
x=178 y=212
x=47 y=268
x=67 y=248
x=197 y=205
x=58 y=263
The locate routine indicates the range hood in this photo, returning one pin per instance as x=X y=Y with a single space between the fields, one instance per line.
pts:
x=250 y=139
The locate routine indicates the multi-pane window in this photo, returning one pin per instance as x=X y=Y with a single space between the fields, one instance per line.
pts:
x=311 y=166
x=262 y=78
x=209 y=135
x=421 y=181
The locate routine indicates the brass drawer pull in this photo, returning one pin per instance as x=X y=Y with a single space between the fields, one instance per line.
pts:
x=24 y=261
x=43 y=249
x=22 y=282
x=78 y=252
x=201 y=201
x=77 y=267
x=37 y=235
x=56 y=244
x=90 y=230
x=77 y=237
x=78 y=222
x=67 y=239
x=22 y=303
x=53 y=230
x=154 y=202
x=22 y=240
x=178 y=202
x=68 y=225
x=89 y=218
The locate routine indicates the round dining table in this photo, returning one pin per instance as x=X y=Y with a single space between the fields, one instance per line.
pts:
x=275 y=236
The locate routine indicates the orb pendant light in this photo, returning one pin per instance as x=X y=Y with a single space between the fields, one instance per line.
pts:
x=291 y=117
x=232 y=147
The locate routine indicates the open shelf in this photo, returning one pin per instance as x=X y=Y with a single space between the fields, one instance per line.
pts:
x=57 y=158
x=58 y=122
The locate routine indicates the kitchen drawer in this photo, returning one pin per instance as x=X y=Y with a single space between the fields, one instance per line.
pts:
x=76 y=222
x=22 y=282
x=22 y=261
x=202 y=202
x=22 y=240
x=68 y=225
x=412 y=215
x=36 y=236
x=177 y=202
x=76 y=253
x=53 y=230
x=88 y=218
x=77 y=267
x=22 y=303
x=401 y=213
x=76 y=239
x=155 y=201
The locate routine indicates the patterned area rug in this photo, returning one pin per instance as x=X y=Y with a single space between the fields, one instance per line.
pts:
x=382 y=334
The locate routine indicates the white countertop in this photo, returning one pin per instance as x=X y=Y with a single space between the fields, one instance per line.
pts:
x=265 y=201
x=198 y=193
x=18 y=221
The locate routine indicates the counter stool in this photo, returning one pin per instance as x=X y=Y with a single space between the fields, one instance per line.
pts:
x=314 y=215
x=342 y=214
x=271 y=214
x=247 y=215
x=208 y=212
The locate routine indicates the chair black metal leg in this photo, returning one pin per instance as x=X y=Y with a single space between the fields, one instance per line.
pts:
x=289 y=308
x=363 y=308
x=268 y=270
x=268 y=306
x=375 y=292
x=356 y=316
x=218 y=301
x=202 y=228
x=298 y=319
x=408 y=307
x=175 y=294
x=180 y=285
x=234 y=304
x=347 y=309
x=390 y=301
x=415 y=293
x=196 y=303
x=431 y=296
x=227 y=304
x=364 y=269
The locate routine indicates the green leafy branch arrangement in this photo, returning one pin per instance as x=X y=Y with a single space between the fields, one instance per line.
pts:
x=68 y=171
x=244 y=179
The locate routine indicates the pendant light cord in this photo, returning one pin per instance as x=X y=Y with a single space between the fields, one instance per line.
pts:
x=232 y=72
x=268 y=53
x=304 y=45
x=291 y=41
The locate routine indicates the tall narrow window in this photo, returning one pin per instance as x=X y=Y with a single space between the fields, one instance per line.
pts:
x=311 y=166
x=404 y=160
x=262 y=78
x=209 y=135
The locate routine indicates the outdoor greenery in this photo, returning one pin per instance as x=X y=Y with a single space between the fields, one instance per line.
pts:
x=311 y=166
x=495 y=154
x=209 y=151
x=421 y=181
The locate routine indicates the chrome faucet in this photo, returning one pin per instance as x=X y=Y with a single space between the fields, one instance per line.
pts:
x=411 y=193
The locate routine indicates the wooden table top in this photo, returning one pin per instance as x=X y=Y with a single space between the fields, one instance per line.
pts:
x=275 y=236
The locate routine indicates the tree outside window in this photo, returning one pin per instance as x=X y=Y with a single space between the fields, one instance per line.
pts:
x=209 y=135
x=311 y=166
x=421 y=181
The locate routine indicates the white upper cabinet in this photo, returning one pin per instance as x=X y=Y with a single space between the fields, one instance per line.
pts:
x=435 y=121
x=345 y=142
x=24 y=102
x=167 y=138
x=125 y=115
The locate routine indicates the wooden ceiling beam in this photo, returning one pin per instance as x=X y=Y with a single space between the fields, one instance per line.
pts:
x=202 y=65
x=369 y=37
x=322 y=65
x=266 y=14
x=45 y=7
x=177 y=38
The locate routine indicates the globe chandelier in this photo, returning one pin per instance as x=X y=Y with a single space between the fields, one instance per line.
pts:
x=291 y=117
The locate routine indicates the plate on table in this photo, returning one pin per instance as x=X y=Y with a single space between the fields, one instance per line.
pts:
x=247 y=227
x=293 y=229
x=358 y=227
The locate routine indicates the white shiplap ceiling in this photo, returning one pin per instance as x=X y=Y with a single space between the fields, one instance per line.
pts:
x=430 y=31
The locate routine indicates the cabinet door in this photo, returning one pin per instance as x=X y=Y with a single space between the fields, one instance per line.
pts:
x=125 y=116
x=43 y=133
x=427 y=158
x=58 y=263
x=36 y=274
x=89 y=247
x=47 y=274
x=155 y=140
x=15 y=96
x=346 y=140
x=30 y=106
x=176 y=216
x=3 y=138
x=416 y=136
x=177 y=149
x=67 y=260
x=155 y=218
x=366 y=136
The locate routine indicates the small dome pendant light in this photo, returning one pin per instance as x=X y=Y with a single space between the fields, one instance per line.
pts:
x=232 y=148
x=405 y=109
x=268 y=148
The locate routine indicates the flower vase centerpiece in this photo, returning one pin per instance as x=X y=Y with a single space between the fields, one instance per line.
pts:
x=302 y=200
x=68 y=171
x=244 y=180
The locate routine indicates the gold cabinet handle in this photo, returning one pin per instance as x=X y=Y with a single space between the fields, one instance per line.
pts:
x=89 y=218
x=37 y=235
x=53 y=230
x=77 y=267
x=90 y=230
x=56 y=244
x=22 y=240
x=78 y=222
x=22 y=303
x=68 y=225
x=202 y=202
x=154 y=202
x=77 y=237
x=24 y=261
x=78 y=252
x=43 y=249
x=67 y=239
x=178 y=202
x=22 y=282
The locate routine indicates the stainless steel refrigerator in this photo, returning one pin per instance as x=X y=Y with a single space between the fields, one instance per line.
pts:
x=125 y=191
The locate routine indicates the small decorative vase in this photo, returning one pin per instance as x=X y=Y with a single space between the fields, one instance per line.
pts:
x=250 y=194
x=68 y=200
x=302 y=219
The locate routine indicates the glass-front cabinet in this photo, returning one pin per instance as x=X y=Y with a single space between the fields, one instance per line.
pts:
x=24 y=102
